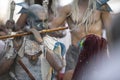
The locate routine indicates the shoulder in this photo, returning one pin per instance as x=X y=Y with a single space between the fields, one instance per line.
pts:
x=65 y=9
x=103 y=6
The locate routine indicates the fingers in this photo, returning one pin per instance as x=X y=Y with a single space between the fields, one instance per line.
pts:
x=36 y=35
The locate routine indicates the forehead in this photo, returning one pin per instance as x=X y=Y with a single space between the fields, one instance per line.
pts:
x=42 y=15
x=39 y=12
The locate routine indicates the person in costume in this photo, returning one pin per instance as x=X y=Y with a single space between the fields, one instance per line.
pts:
x=84 y=17
x=37 y=20
x=39 y=57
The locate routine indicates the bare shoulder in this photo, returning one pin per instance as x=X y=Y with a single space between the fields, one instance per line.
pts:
x=65 y=9
x=105 y=9
x=105 y=12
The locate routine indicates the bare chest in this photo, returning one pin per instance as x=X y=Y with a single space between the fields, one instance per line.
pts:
x=95 y=17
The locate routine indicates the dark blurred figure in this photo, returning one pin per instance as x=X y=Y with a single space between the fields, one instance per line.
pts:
x=115 y=29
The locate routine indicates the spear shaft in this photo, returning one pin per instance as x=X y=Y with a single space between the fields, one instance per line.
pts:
x=28 y=33
x=12 y=9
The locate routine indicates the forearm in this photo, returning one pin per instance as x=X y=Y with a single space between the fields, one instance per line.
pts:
x=21 y=22
x=58 y=34
x=106 y=19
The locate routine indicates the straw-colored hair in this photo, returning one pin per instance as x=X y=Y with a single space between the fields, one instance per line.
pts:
x=87 y=19
x=55 y=4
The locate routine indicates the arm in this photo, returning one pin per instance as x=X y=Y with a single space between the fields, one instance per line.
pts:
x=59 y=20
x=106 y=20
x=21 y=22
x=54 y=60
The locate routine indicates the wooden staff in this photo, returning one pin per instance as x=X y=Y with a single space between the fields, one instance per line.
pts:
x=12 y=9
x=26 y=70
x=28 y=33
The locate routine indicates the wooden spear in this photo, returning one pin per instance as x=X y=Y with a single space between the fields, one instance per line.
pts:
x=28 y=33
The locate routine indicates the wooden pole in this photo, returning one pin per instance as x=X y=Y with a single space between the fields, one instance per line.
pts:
x=12 y=9
x=28 y=33
x=26 y=70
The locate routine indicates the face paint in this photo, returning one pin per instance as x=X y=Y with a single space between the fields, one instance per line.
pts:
x=37 y=23
x=41 y=24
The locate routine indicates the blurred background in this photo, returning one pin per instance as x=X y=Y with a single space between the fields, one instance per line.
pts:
x=5 y=4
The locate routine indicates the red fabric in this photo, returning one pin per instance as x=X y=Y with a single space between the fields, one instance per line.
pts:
x=60 y=76
x=90 y=53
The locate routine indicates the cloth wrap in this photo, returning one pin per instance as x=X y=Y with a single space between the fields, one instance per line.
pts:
x=41 y=70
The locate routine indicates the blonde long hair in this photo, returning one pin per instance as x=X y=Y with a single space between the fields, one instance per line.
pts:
x=55 y=5
x=87 y=19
